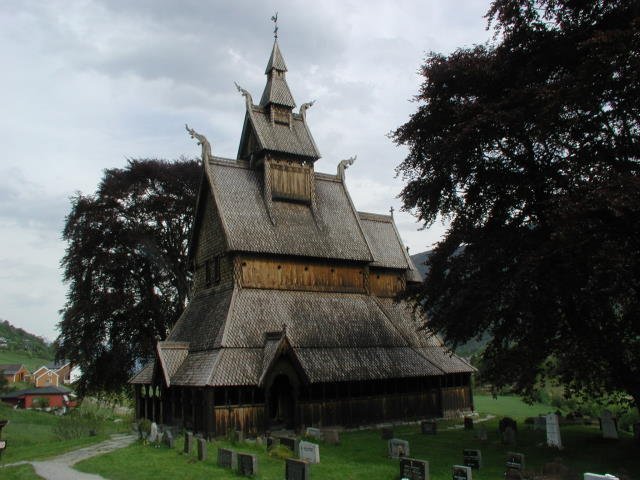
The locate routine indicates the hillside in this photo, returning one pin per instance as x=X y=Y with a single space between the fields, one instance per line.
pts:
x=473 y=346
x=23 y=347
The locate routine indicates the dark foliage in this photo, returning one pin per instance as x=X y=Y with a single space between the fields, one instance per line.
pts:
x=126 y=265
x=530 y=146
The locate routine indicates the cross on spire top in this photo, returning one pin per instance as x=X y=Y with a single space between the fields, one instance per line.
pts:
x=274 y=19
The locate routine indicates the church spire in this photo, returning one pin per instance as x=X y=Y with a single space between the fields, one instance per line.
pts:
x=276 y=91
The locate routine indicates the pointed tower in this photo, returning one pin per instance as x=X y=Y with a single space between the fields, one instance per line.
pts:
x=277 y=140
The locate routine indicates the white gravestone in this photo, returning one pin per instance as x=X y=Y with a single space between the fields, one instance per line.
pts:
x=153 y=434
x=608 y=425
x=309 y=451
x=553 y=431
x=398 y=448
x=314 y=433
x=461 y=472
x=595 y=476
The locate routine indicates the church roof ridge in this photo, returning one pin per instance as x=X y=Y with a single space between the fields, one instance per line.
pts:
x=276 y=60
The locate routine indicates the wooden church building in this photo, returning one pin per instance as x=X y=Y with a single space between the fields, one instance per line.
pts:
x=293 y=319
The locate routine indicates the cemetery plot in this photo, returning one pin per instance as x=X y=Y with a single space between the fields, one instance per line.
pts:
x=515 y=461
x=472 y=458
x=413 y=469
x=398 y=448
x=296 y=469
x=202 y=449
x=461 y=472
x=309 y=452
x=188 y=443
x=227 y=458
x=313 y=433
x=247 y=464
x=468 y=423
x=553 y=431
x=608 y=426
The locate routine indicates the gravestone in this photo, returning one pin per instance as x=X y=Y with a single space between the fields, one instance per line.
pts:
x=481 y=434
x=509 y=436
x=153 y=434
x=247 y=464
x=271 y=442
x=515 y=461
x=461 y=472
x=513 y=474
x=296 y=469
x=468 y=423
x=553 y=431
x=202 y=449
x=507 y=422
x=595 y=476
x=332 y=437
x=472 y=458
x=636 y=431
x=309 y=451
x=289 y=442
x=398 y=448
x=227 y=458
x=313 y=433
x=428 y=427
x=387 y=433
x=413 y=469
x=188 y=442
x=540 y=423
x=168 y=439
x=608 y=425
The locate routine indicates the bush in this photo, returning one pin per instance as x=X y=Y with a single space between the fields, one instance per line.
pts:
x=281 y=452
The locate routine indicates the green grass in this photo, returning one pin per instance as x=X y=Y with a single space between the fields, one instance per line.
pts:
x=21 y=472
x=512 y=407
x=30 y=435
x=31 y=362
x=362 y=454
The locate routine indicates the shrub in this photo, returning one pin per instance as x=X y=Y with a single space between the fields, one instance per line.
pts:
x=40 y=402
x=281 y=452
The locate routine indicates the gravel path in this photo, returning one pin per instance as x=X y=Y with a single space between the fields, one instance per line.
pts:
x=59 y=468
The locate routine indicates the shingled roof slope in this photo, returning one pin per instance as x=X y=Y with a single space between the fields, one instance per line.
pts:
x=145 y=375
x=10 y=369
x=171 y=356
x=294 y=139
x=334 y=233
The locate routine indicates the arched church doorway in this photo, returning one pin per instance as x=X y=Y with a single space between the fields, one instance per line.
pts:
x=281 y=403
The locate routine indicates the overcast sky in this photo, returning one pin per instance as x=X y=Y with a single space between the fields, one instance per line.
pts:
x=88 y=84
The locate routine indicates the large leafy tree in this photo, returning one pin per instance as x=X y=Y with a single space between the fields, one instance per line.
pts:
x=126 y=265
x=529 y=146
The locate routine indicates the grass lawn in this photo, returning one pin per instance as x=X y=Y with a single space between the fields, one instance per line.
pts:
x=512 y=407
x=21 y=472
x=362 y=454
x=30 y=436
x=32 y=363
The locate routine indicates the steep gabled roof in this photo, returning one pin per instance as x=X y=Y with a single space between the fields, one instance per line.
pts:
x=276 y=60
x=171 y=355
x=10 y=369
x=334 y=232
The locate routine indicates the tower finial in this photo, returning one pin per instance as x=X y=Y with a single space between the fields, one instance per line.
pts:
x=274 y=19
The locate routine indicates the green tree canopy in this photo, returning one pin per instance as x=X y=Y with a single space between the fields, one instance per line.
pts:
x=529 y=146
x=126 y=265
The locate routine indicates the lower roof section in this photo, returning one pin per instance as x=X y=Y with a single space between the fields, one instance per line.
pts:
x=330 y=337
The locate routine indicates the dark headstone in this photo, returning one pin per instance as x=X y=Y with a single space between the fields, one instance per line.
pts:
x=472 y=458
x=515 y=460
x=332 y=437
x=227 y=458
x=296 y=470
x=468 y=423
x=481 y=434
x=428 y=427
x=168 y=439
x=507 y=422
x=289 y=442
x=202 y=449
x=398 y=448
x=188 y=442
x=513 y=474
x=239 y=435
x=387 y=433
x=461 y=472
x=271 y=442
x=509 y=436
x=247 y=464
x=412 y=469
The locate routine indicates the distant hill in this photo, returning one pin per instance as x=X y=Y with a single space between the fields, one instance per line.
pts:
x=472 y=346
x=23 y=347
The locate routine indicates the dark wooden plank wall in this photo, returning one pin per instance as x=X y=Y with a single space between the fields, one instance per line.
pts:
x=456 y=400
x=248 y=418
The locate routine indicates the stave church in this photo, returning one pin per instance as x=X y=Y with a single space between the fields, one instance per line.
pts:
x=294 y=319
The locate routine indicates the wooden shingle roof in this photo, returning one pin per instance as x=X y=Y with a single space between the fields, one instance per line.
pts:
x=334 y=233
